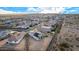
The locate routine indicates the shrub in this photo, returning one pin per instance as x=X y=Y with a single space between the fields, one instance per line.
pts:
x=64 y=45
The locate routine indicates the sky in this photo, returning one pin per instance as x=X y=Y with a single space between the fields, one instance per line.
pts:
x=26 y=10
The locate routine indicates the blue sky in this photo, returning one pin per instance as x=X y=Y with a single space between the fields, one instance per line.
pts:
x=71 y=10
x=64 y=10
x=15 y=9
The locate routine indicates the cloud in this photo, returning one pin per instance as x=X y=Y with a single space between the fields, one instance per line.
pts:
x=71 y=10
x=62 y=10
x=2 y=11
x=36 y=10
x=52 y=10
x=28 y=10
x=32 y=9
x=5 y=12
x=45 y=10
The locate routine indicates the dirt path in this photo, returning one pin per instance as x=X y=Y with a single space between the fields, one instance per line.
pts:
x=53 y=43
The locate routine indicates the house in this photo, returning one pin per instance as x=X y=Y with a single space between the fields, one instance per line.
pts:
x=52 y=22
x=15 y=38
x=36 y=35
x=9 y=23
x=22 y=24
x=45 y=28
x=35 y=21
x=3 y=34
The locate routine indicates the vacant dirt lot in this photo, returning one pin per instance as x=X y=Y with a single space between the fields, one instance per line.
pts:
x=69 y=34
